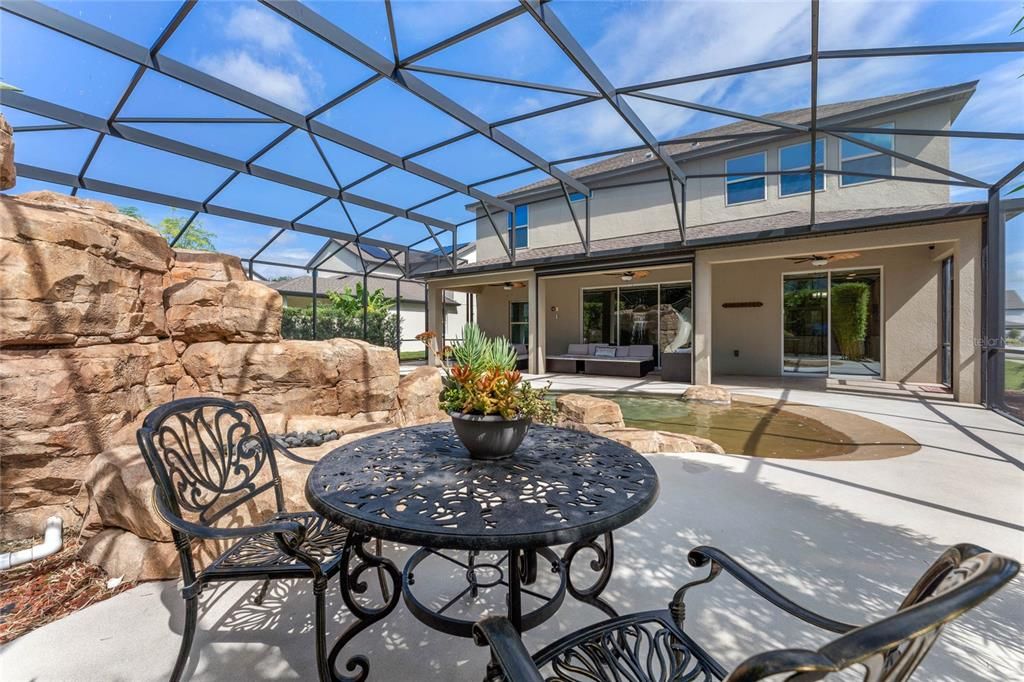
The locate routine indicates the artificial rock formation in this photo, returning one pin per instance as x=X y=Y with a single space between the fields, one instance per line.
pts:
x=234 y=311
x=101 y=321
x=418 y=393
x=6 y=154
x=716 y=395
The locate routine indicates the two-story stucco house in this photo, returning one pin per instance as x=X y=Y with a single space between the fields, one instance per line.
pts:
x=727 y=276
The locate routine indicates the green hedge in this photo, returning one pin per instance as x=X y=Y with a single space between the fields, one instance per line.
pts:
x=331 y=323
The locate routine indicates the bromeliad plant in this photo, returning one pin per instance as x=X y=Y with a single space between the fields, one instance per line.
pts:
x=484 y=380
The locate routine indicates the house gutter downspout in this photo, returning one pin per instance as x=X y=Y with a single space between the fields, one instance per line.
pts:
x=53 y=540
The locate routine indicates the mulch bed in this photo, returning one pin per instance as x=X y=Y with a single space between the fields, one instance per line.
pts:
x=43 y=591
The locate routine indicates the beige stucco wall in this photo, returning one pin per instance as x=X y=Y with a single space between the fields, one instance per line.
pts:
x=648 y=207
x=910 y=301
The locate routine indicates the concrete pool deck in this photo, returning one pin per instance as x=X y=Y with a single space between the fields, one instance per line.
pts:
x=847 y=538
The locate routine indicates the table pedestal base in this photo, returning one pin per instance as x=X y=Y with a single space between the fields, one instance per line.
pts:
x=515 y=571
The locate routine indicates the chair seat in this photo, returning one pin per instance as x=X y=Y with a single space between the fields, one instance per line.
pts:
x=324 y=541
x=641 y=647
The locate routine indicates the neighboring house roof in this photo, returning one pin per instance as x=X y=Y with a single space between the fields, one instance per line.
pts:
x=372 y=255
x=303 y=286
x=464 y=246
x=1013 y=300
x=788 y=224
x=827 y=113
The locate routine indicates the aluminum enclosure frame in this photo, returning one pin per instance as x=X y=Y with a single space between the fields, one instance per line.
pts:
x=402 y=72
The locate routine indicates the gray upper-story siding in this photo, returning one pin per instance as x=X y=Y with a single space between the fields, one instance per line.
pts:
x=641 y=208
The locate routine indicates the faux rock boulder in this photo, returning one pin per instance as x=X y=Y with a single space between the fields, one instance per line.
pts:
x=342 y=377
x=76 y=272
x=587 y=413
x=61 y=407
x=207 y=310
x=219 y=267
x=418 y=394
x=709 y=393
x=7 y=174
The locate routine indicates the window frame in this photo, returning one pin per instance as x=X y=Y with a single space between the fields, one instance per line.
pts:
x=747 y=178
x=513 y=229
x=512 y=323
x=857 y=157
x=823 y=165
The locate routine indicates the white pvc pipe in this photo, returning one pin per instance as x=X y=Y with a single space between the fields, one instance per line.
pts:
x=53 y=540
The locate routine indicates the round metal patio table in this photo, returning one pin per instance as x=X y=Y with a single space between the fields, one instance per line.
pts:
x=419 y=486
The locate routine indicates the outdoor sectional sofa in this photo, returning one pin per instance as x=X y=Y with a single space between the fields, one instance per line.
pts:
x=599 y=358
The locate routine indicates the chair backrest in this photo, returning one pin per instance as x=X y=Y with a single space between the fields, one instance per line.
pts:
x=890 y=650
x=209 y=456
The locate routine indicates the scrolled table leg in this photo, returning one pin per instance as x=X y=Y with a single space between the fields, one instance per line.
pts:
x=603 y=561
x=356 y=560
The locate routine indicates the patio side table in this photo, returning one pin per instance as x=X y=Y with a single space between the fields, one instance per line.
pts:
x=418 y=486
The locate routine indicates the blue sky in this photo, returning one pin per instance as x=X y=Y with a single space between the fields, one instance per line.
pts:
x=248 y=45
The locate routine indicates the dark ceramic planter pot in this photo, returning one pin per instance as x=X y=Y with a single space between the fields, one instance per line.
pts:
x=491 y=436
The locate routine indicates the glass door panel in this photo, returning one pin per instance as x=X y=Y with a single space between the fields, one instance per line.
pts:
x=946 y=368
x=805 y=324
x=597 y=316
x=638 y=316
x=856 y=329
x=676 y=321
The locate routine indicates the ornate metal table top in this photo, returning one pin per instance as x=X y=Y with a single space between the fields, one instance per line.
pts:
x=419 y=486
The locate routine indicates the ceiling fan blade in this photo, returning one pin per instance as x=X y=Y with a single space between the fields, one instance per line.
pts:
x=844 y=256
x=640 y=274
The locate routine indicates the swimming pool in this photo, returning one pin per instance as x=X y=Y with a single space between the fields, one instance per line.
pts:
x=764 y=428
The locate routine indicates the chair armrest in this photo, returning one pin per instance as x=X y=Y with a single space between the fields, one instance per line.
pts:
x=295 y=530
x=508 y=655
x=289 y=454
x=719 y=560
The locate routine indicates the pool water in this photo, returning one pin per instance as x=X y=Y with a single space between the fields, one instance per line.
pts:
x=767 y=429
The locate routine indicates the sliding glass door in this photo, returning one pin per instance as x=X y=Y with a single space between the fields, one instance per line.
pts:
x=659 y=315
x=598 y=315
x=856 y=302
x=805 y=324
x=832 y=323
x=638 y=316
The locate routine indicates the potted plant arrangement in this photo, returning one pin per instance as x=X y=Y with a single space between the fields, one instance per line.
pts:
x=490 y=405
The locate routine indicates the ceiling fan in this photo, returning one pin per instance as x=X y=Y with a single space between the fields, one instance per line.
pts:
x=815 y=259
x=509 y=286
x=629 y=275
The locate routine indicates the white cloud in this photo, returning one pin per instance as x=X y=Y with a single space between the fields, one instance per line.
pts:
x=249 y=23
x=278 y=84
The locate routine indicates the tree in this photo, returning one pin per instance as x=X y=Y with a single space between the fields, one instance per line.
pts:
x=196 y=238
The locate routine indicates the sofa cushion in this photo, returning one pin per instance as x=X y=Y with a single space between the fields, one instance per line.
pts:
x=519 y=348
x=577 y=349
x=605 y=352
x=622 y=351
x=592 y=347
x=641 y=351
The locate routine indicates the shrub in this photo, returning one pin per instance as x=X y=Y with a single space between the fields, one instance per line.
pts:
x=850 y=302
x=332 y=323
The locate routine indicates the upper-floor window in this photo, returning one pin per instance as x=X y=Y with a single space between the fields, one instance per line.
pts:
x=857 y=158
x=746 y=181
x=518 y=224
x=798 y=157
x=578 y=196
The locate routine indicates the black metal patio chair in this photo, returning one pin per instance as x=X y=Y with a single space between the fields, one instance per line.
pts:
x=210 y=456
x=653 y=645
